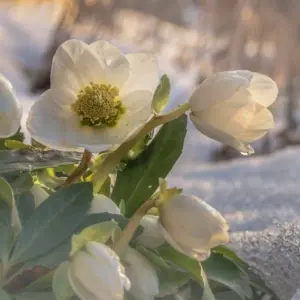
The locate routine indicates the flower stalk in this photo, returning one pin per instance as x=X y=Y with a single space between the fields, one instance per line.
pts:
x=80 y=170
x=131 y=227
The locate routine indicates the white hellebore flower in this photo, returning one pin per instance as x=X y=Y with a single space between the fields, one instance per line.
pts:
x=142 y=274
x=192 y=226
x=97 y=274
x=99 y=97
x=102 y=204
x=151 y=237
x=231 y=107
x=10 y=109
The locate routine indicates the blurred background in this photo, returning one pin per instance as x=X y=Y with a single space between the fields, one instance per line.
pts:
x=192 y=39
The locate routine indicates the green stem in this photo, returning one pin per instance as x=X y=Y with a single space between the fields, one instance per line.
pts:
x=115 y=157
x=80 y=170
x=131 y=227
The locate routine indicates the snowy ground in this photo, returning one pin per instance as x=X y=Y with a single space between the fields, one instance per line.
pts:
x=253 y=193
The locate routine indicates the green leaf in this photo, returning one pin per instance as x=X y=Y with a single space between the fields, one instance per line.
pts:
x=4 y=295
x=222 y=270
x=30 y=159
x=26 y=206
x=100 y=232
x=106 y=188
x=22 y=183
x=7 y=241
x=34 y=296
x=228 y=296
x=60 y=285
x=255 y=280
x=41 y=284
x=170 y=281
x=53 y=221
x=7 y=195
x=190 y=265
x=50 y=260
x=161 y=94
x=122 y=207
x=6 y=192
x=139 y=180
x=13 y=144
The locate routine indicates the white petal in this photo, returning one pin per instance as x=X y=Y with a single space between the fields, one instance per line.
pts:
x=102 y=204
x=142 y=274
x=101 y=280
x=144 y=73
x=151 y=237
x=217 y=88
x=64 y=71
x=263 y=89
x=198 y=254
x=218 y=135
x=115 y=61
x=50 y=120
x=92 y=68
x=10 y=109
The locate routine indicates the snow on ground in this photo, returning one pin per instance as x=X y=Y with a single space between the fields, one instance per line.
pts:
x=252 y=193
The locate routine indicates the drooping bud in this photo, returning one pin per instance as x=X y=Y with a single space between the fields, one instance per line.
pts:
x=232 y=108
x=192 y=226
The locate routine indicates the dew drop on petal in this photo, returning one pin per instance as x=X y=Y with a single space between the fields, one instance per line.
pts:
x=248 y=151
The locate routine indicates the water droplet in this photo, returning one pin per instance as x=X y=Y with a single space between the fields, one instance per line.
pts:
x=248 y=151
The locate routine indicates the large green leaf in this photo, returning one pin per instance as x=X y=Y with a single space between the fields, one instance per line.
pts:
x=26 y=206
x=139 y=180
x=53 y=221
x=221 y=270
x=255 y=280
x=190 y=265
x=30 y=159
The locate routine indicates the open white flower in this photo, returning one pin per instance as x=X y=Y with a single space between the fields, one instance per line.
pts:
x=10 y=109
x=231 y=107
x=97 y=273
x=99 y=97
x=192 y=226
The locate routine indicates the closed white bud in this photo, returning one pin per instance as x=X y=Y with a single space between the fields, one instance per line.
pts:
x=192 y=226
x=102 y=204
x=231 y=107
x=142 y=274
x=96 y=273
x=151 y=237
x=10 y=109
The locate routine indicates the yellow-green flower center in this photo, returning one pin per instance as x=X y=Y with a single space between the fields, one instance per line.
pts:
x=98 y=105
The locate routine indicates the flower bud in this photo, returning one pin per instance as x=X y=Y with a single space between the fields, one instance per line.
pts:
x=10 y=109
x=151 y=237
x=142 y=274
x=97 y=273
x=192 y=226
x=102 y=204
x=231 y=107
